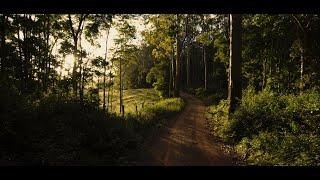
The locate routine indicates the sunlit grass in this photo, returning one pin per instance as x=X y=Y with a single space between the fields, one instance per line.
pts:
x=142 y=98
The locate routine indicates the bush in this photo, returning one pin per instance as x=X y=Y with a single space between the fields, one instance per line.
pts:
x=280 y=149
x=59 y=131
x=272 y=129
x=218 y=114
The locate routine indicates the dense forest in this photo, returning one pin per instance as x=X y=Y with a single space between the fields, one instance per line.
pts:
x=62 y=101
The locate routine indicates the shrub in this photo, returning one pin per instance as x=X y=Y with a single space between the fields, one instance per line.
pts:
x=280 y=149
x=60 y=131
x=272 y=129
x=218 y=114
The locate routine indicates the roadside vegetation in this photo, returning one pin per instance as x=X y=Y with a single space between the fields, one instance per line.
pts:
x=60 y=131
x=270 y=128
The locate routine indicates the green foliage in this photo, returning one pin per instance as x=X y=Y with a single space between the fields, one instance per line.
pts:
x=218 y=115
x=272 y=129
x=272 y=148
x=158 y=77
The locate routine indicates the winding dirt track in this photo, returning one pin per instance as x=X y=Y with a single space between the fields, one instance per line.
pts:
x=186 y=141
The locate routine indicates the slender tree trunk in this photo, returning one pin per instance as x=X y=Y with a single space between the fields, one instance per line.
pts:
x=302 y=60
x=74 y=69
x=104 y=89
x=177 y=75
x=170 y=80
x=187 y=52
x=234 y=92
x=205 y=67
x=104 y=74
x=188 y=67
x=120 y=85
x=177 y=78
x=301 y=68
x=80 y=80
x=81 y=74
x=173 y=72
x=109 y=87
x=111 y=100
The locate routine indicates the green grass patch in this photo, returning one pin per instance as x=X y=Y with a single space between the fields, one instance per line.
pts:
x=142 y=98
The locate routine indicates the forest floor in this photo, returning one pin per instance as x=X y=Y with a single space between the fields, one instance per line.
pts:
x=186 y=141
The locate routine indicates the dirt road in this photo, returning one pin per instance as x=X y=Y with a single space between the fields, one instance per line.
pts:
x=186 y=141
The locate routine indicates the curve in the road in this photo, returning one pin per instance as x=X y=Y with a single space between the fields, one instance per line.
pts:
x=187 y=141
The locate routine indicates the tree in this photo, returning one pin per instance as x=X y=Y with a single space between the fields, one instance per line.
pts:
x=74 y=26
x=205 y=39
x=303 y=26
x=100 y=22
x=124 y=49
x=235 y=88
x=161 y=37
x=176 y=88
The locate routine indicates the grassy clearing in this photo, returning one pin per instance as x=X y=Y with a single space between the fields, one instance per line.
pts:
x=142 y=98
x=148 y=121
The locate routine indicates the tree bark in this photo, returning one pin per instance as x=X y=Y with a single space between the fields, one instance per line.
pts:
x=234 y=91
x=301 y=68
x=188 y=67
x=170 y=80
x=120 y=95
x=177 y=75
x=81 y=74
x=302 y=59
x=104 y=74
x=173 y=70
x=205 y=67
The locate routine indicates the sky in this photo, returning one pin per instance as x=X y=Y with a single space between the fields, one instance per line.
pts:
x=95 y=51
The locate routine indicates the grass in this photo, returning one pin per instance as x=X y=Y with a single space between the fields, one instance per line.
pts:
x=142 y=98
